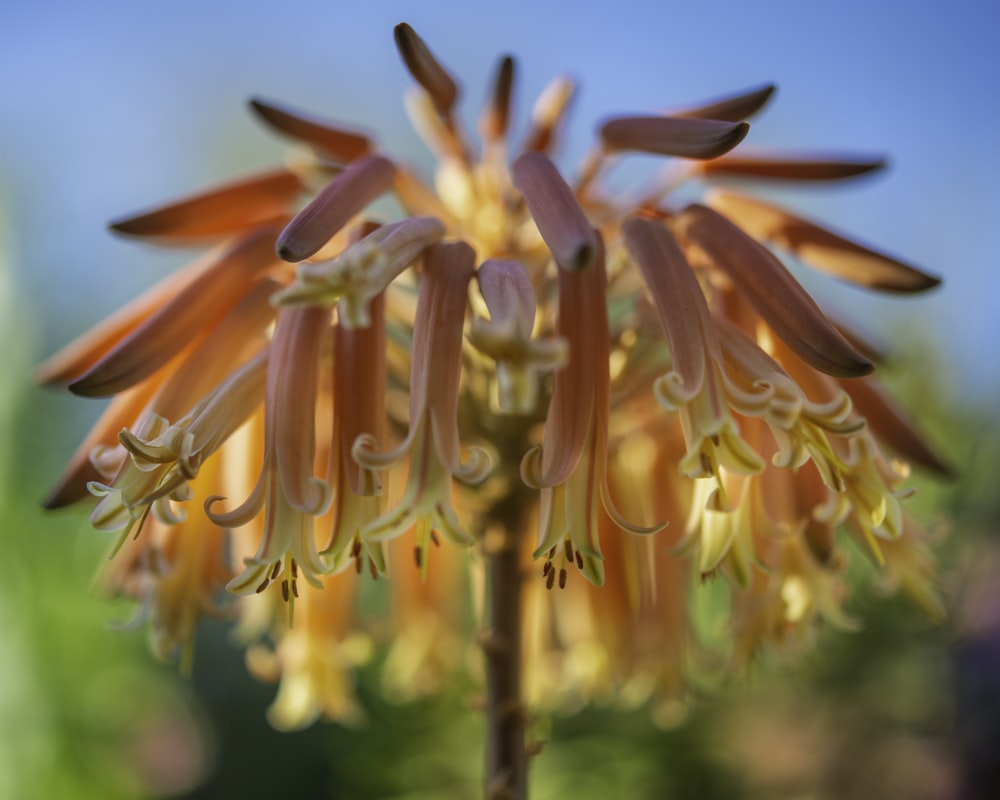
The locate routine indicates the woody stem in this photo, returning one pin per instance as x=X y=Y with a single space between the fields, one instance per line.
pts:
x=506 y=756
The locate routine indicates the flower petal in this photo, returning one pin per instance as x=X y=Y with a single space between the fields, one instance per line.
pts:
x=120 y=413
x=791 y=167
x=342 y=145
x=679 y=299
x=83 y=352
x=343 y=197
x=559 y=217
x=495 y=119
x=219 y=212
x=732 y=108
x=426 y=69
x=773 y=292
x=687 y=137
x=546 y=115
x=292 y=381
x=820 y=247
x=893 y=427
x=200 y=304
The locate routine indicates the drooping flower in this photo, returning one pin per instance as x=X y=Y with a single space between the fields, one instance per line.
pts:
x=513 y=357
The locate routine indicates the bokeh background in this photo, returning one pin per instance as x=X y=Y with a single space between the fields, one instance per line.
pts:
x=107 y=107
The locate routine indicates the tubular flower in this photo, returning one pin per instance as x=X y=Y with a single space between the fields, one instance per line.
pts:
x=493 y=356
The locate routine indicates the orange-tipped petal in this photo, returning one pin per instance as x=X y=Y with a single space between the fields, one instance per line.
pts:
x=790 y=167
x=230 y=342
x=556 y=212
x=343 y=197
x=820 y=247
x=199 y=305
x=343 y=146
x=773 y=292
x=213 y=214
x=83 y=352
x=733 y=108
x=686 y=137
x=426 y=69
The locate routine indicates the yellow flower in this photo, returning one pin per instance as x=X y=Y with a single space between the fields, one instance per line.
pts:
x=516 y=357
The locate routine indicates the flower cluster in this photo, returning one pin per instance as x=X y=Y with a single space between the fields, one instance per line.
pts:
x=331 y=393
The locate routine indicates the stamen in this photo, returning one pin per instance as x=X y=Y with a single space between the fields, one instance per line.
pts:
x=263 y=585
x=551 y=579
x=563 y=575
x=284 y=590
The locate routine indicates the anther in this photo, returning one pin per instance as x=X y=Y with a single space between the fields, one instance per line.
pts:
x=295 y=587
x=284 y=590
x=434 y=538
x=568 y=546
x=263 y=585
x=579 y=561
x=357 y=565
x=295 y=569
x=562 y=578
x=372 y=569
x=551 y=577
x=275 y=571
x=418 y=557
x=546 y=567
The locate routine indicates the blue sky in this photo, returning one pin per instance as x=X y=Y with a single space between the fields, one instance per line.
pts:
x=112 y=106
